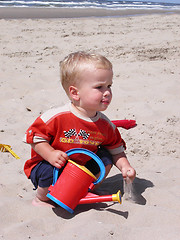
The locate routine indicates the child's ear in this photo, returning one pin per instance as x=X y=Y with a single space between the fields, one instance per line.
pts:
x=74 y=93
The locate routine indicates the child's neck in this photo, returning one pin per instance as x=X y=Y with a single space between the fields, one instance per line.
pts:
x=83 y=111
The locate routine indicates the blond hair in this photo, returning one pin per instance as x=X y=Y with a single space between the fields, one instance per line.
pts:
x=75 y=63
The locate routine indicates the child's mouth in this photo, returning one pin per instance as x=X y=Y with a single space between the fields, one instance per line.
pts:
x=106 y=102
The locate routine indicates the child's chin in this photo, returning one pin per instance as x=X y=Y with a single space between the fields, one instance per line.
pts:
x=104 y=108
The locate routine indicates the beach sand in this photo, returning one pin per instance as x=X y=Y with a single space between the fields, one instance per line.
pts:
x=145 y=52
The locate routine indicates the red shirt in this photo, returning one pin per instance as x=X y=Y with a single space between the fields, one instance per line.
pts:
x=63 y=128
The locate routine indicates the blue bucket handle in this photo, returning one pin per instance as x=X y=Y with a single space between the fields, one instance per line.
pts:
x=88 y=153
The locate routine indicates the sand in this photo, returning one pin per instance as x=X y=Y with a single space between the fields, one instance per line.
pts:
x=36 y=13
x=145 y=52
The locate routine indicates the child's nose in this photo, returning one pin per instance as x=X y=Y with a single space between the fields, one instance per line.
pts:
x=107 y=92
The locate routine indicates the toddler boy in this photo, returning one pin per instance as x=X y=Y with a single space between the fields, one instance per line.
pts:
x=87 y=79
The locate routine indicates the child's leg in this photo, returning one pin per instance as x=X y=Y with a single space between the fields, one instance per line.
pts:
x=41 y=194
x=41 y=199
x=42 y=178
x=106 y=158
x=108 y=169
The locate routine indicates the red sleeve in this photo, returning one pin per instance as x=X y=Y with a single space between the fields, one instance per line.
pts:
x=114 y=142
x=38 y=132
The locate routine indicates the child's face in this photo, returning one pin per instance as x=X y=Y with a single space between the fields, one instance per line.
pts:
x=94 y=90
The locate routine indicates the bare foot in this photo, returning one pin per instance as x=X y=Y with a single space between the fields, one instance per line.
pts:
x=38 y=203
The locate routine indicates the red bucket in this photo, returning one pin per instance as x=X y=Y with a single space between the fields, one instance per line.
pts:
x=71 y=186
x=74 y=182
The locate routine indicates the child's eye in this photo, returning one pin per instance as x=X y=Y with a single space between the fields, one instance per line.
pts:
x=109 y=86
x=98 y=87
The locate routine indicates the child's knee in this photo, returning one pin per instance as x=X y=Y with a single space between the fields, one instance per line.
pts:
x=105 y=156
x=42 y=175
x=108 y=169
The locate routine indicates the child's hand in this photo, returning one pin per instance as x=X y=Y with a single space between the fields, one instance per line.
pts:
x=121 y=162
x=57 y=158
x=129 y=172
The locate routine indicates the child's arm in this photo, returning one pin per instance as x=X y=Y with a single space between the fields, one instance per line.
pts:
x=56 y=158
x=121 y=162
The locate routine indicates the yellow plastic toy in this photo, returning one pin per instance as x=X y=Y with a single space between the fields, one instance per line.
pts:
x=7 y=148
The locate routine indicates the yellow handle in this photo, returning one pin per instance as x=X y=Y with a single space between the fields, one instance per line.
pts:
x=7 y=148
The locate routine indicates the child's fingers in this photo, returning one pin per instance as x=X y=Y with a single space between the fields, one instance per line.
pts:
x=65 y=156
x=124 y=173
x=59 y=163
x=131 y=173
x=62 y=155
x=62 y=158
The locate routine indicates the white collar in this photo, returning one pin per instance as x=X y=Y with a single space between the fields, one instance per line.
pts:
x=79 y=115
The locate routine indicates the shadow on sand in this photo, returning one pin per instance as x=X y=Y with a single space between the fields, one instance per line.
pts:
x=115 y=183
x=111 y=185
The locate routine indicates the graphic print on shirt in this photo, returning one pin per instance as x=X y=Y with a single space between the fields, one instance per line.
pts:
x=72 y=132
x=82 y=137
